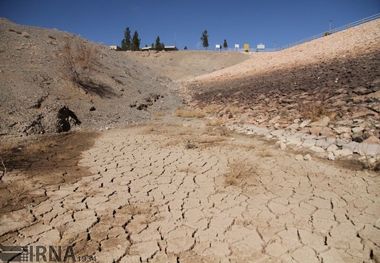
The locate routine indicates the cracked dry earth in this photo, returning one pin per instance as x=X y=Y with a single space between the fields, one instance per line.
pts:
x=193 y=193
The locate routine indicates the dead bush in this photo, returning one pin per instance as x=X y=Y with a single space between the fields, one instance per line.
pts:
x=210 y=140
x=215 y=122
x=265 y=153
x=189 y=113
x=220 y=131
x=79 y=57
x=241 y=173
x=190 y=145
x=312 y=111
x=212 y=108
x=80 y=60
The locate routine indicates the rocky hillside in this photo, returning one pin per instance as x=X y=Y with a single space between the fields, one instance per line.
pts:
x=327 y=87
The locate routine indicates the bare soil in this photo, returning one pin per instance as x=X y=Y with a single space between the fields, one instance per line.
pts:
x=39 y=162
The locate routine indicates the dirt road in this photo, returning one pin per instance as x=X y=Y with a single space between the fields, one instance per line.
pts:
x=191 y=192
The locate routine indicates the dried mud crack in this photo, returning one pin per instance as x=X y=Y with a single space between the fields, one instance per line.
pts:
x=147 y=197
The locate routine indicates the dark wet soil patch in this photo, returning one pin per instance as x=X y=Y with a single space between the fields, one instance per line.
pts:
x=44 y=161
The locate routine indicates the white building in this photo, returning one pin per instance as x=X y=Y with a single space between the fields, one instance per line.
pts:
x=260 y=46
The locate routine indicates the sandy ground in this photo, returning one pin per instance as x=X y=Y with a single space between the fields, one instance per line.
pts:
x=185 y=191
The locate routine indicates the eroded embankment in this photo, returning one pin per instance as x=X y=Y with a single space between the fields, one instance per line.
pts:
x=346 y=90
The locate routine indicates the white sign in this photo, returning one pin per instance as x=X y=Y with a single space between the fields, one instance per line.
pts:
x=237 y=46
x=217 y=46
x=260 y=46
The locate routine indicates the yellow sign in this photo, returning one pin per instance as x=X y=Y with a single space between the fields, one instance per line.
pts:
x=246 y=47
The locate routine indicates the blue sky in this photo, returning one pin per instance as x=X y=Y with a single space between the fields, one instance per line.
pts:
x=274 y=23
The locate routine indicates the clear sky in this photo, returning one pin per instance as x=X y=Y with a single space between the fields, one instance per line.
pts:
x=274 y=23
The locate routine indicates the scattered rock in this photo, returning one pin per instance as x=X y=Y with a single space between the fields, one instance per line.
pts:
x=305 y=123
x=323 y=122
x=299 y=157
x=332 y=148
x=308 y=143
x=25 y=34
x=324 y=143
x=331 y=156
x=35 y=127
x=357 y=129
x=274 y=120
x=343 y=152
x=317 y=149
x=368 y=149
x=92 y=108
x=358 y=137
x=142 y=106
x=361 y=91
x=307 y=157
x=342 y=129
x=372 y=140
x=51 y=42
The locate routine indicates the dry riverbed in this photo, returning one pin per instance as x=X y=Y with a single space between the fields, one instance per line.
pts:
x=186 y=191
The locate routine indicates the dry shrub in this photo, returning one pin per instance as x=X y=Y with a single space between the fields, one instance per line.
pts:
x=234 y=109
x=215 y=122
x=158 y=114
x=220 y=131
x=148 y=129
x=265 y=153
x=138 y=209
x=189 y=113
x=190 y=145
x=312 y=111
x=210 y=140
x=240 y=173
x=212 y=108
x=145 y=210
x=79 y=57
x=80 y=60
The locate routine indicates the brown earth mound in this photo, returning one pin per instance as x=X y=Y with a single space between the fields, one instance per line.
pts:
x=45 y=71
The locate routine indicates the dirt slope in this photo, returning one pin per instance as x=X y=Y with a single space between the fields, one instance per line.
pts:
x=52 y=81
x=337 y=76
x=182 y=65
x=43 y=71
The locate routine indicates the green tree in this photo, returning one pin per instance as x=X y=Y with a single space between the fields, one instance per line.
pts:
x=136 y=42
x=204 y=39
x=185 y=48
x=126 y=43
x=225 y=45
x=159 y=46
